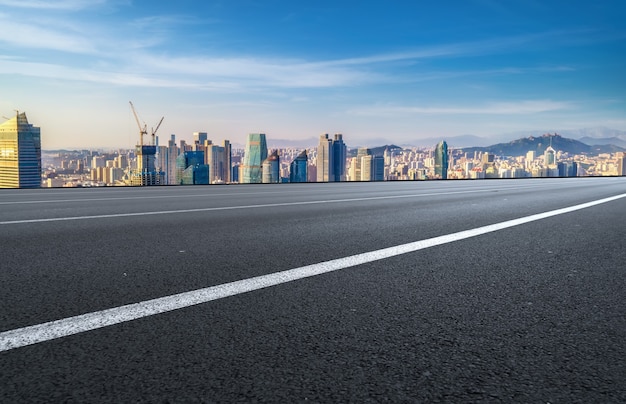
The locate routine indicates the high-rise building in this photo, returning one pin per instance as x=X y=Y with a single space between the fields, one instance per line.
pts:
x=356 y=165
x=366 y=167
x=339 y=158
x=378 y=168
x=298 y=168
x=331 y=159
x=324 y=159
x=170 y=164
x=549 y=157
x=199 y=138
x=271 y=168
x=190 y=168
x=621 y=163
x=20 y=153
x=254 y=155
x=218 y=158
x=146 y=172
x=441 y=160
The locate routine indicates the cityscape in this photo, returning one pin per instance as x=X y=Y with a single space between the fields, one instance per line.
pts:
x=202 y=162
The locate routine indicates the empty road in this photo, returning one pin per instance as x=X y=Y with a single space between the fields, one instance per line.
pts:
x=441 y=291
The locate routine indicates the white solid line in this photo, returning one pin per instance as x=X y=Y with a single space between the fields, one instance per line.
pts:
x=86 y=322
x=269 y=205
x=121 y=198
x=90 y=321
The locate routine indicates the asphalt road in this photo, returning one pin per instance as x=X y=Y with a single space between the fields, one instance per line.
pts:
x=531 y=313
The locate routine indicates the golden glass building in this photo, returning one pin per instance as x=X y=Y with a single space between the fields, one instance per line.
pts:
x=20 y=153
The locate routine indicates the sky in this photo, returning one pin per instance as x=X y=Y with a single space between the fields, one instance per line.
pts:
x=376 y=71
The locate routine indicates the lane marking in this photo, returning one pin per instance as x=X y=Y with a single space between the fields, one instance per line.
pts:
x=144 y=197
x=34 y=334
x=268 y=205
x=294 y=191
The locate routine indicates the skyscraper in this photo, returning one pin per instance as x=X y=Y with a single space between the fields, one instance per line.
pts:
x=271 y=168
x=331 y=159
x=339 y=158
x=621 y=163
x=366 y=167
x=254 y=155
x=441 y=160
x=325 y=159
x=378 y=168
x=172 y=154
x=218 y=158
x=298 y=168
x=20 y=153
x=549 y=156
x=190 y=168
x=199 y=138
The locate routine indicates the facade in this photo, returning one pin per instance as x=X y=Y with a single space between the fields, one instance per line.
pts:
x=20 y=153
x=339 y=158
x=271 y=169
x=218 y=158
x=199 y=138
x=366 y=168
x=298 y=168
x=254 y=155
x=621 y=164
x=146 y=172
x=172 y=155
x=441 y=160
x=325 y=159
x=549 y=156
x=331 y=159
x=378 y=168
x=190 y=169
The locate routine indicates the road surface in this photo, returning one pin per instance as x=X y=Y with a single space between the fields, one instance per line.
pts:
x=442 y=291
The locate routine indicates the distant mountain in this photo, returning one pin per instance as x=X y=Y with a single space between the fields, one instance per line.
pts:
x=295 y=144
x=539 y=145
x=455 y=141
x=604 y=141
x=375 y=151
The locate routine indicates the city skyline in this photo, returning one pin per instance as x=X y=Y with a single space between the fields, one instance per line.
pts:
x=371 y=71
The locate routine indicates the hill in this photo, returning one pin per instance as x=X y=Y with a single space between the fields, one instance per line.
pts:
x=539 y=145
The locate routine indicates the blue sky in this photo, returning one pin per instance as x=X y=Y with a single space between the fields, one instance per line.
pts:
x=399 y=71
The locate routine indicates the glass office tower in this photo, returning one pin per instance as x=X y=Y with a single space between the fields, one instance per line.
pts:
x=20 y=153
x=254 y=155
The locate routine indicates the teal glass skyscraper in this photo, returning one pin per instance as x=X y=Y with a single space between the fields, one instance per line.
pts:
x=20 y=153
x=441 y=160
x=254 y=156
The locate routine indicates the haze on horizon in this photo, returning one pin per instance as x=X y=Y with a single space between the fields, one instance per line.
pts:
x=401 y=71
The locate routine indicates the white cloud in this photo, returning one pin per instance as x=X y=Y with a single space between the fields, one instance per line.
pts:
x=497 y=108
x=33 y=36
x=71 y=5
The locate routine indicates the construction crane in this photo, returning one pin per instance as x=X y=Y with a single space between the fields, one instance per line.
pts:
x=143 y=130
x=154 y=131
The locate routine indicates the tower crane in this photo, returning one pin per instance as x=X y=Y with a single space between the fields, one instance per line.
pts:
x=154 y=131
x=143 y=130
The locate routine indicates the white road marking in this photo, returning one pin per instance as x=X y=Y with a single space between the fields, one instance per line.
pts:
x=268 y=205
x=208 y=195
x=120 y=198
x=91 y=321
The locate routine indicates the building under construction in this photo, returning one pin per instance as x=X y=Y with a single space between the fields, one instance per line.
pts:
x=145 y=172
